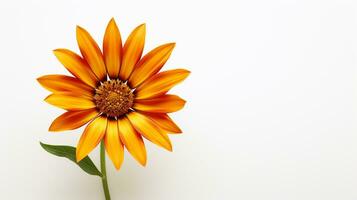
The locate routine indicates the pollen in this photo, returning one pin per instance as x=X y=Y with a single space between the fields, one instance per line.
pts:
x=114 y=98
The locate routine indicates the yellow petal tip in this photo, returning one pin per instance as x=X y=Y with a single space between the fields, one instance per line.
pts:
x=173 y=44
x=143 y=163
x=185 y=72
x=141 y=160
x=39 y=79
x=51 y=129
x=59 y=51
x=112 y=24
x=168 y=146
x=79 y=29
x=169 y=46
x=142 y=27
x=117 y=166
x=112 y=20
x=54 y=128
x=55 y=51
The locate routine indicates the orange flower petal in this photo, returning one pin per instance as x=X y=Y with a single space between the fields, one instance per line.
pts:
x=77 y=66
x=163 y=121
x=73 y=119
x=132 y=140
x=163 y=104
x=150 y=64
x=112 y=48
x=160 y=83
x=149 y=130
x=62 y=83
x=91 y=137
x=91 y=53
x=113 y=144
x=70 y=101
x=133 y=48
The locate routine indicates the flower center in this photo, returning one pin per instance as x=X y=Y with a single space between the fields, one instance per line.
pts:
x=114 y=98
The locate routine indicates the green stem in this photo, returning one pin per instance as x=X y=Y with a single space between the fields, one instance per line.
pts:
x=104 y=171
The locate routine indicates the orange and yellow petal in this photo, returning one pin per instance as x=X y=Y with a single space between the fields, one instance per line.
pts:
x=77 y=66
x=70 y=101
x=163 y=104
x=161 y=83
x=149 y=130
x=91 y=53
x=132 y=50
x=61 y=83
x=91 y=137
x=132 y=140
x=163 y=121
x=150 y=64
x=113 y=144
x=112 y=49
x=73 y=119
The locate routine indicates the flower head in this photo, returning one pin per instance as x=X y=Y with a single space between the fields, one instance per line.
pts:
x=119 y=94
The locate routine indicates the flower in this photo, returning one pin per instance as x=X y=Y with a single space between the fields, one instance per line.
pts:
x=119 y=94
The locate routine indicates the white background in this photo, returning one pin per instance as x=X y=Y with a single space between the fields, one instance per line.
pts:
x=271 y=112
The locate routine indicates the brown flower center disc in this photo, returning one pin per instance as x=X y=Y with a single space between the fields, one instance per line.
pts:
x=114 y=98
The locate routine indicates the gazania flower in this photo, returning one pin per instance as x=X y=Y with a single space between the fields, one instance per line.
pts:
x=119 y=94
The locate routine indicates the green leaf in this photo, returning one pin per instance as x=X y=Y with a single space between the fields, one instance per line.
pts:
x=70 y=152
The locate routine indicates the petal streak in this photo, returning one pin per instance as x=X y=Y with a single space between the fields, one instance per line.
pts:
x=163 y=121
x=112 y=49
x=161 y=83
x=73 y=119
x=70 y=101
x=133 y=48
x=132 y=140
x=76 y=65
x=113 y=144
x=62 y=83
x=163 y=104
x=91 y=53
x=150 y=64
x=91 y=137
x=149 y=130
